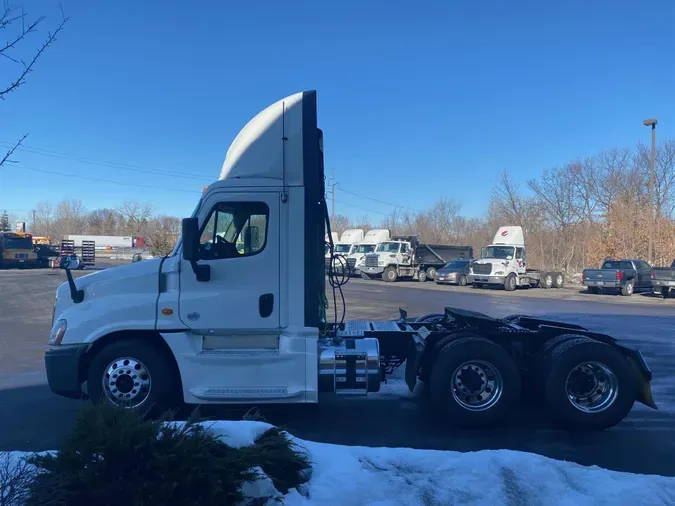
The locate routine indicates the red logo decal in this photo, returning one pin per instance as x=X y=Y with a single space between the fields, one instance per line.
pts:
x=505 y=233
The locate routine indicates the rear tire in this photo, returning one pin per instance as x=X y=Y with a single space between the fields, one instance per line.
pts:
x=474 y=382
x=592 y=289
x=627 y=289
x=665 y=292
x=462 y=280
x=558 y=280
x=365 y=276
x=152 y=395
x=390 y=275
x=580 y=374
x=546 y=280
x=431 y=273
x=421 y=276
x=510 y=282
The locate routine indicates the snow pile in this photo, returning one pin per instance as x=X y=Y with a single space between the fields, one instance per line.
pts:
x=401 y=476
x=356 y=475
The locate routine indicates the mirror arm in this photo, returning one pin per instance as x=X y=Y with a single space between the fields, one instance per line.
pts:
x=202 y=272
x=76 y=295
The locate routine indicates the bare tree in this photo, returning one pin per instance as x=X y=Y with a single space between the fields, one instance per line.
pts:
x=135 y=217
x=162 y=235
x=15 y=23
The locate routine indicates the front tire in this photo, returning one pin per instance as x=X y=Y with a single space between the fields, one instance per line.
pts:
x=365 y=276
x=135 y=375
x=462 y=280
x=510 y=283
x=390 y=274
x=589 y=385
x=474 y=382
x=558 y=280
x=665 y=292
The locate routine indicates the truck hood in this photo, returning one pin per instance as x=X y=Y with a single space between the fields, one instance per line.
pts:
x=120 y=296
x=493 y=261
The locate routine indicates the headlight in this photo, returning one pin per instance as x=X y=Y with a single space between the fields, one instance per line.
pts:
x=57 y=333
x=380 y=262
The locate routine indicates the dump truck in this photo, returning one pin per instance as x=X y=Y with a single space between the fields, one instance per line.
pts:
x=209 y=324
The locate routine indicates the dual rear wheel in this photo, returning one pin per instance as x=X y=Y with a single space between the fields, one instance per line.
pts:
x=581 y=383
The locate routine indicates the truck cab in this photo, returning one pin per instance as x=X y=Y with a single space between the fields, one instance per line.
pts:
x=369 y=244
x=504 y=263
x=347 y=245
x=16 y=250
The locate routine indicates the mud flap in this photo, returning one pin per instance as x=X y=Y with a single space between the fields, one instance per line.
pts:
x=643 y=375
x=415 y=352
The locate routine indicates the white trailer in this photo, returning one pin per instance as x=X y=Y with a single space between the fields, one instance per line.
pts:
x=102 y=241
x=504 y=263
x=215 y=324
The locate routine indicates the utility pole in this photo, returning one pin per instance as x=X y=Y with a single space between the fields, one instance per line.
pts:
x=652 y=176
x=33 y=226
x=333 y=185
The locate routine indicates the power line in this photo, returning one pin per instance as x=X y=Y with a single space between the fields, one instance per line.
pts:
x=369 y=198
x=99 y=180
x=360 y=208
x=103 y=163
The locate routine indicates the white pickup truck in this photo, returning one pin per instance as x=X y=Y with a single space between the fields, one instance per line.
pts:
x=504 y=263
x=211 y=323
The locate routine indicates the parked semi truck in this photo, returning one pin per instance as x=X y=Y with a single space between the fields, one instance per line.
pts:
x=408 y=257
x=373 y=238
x=504 y=263
x=347 y=245
x=209 y=324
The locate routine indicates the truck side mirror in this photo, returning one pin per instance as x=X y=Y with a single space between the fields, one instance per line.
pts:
x=190 y=232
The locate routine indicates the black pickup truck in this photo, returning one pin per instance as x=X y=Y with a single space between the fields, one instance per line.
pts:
x=626 y=276
x=663 y=279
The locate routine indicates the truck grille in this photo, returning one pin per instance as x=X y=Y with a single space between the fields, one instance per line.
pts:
x=371 y=260
x=327 y=263
x=482 y=268
x=351 y=262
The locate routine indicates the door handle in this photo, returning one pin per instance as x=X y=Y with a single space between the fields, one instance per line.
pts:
x=266 y=304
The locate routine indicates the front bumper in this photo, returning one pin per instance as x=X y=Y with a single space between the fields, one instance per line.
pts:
x=63 y=369
x=486 y=280
x=446 y=278
x=372 y=271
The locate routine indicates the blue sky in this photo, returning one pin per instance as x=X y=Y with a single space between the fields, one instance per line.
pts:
x=416 y=99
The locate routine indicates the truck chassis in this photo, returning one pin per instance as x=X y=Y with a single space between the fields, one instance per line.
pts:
x=477 y=368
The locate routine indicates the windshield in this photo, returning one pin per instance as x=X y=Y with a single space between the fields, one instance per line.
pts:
x=457 y=264
x=389 y=247
x=365 y=248
x=17 y=243
x=342 y=248
x=505 y=252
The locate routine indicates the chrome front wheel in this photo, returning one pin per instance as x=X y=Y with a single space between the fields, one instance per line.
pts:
x=127 y=382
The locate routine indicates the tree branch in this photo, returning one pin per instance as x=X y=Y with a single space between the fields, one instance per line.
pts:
x=5 y=159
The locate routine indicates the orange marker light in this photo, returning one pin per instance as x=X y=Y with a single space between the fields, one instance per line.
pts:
x=166 y=311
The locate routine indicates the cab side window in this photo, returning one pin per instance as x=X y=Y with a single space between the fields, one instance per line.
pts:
x=404 y=248
x=234 y=230
x=520 y=253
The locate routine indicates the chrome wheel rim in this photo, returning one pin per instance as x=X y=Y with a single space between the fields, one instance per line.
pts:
x=592 y=387
x=127 y=382
x=477 y=385
x=559 y=280
x=629 y=287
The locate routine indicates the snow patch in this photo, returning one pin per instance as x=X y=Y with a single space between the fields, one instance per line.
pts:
x=357 y=475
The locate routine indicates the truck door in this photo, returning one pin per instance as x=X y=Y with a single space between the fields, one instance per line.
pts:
x=521 y=261
x=644 y=274
x=240 y=242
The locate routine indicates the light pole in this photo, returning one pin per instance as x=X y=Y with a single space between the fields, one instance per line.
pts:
x=651 y=123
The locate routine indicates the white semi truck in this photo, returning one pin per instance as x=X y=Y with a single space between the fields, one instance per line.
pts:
x=504 y=263
x=373 y=238
x=211 y=323
x=347 y=245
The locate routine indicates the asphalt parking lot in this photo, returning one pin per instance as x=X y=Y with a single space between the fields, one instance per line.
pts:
x=35 y=419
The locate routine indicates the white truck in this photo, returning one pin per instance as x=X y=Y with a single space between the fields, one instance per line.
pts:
x=347 y=245
x=333 y=237
x=372 y=239
x=214 y=324
x=504 y=263
x=408 y=257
